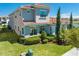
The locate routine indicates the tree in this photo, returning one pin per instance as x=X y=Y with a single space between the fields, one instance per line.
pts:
x=71 y=22
x=75 y=38
x=58 y=23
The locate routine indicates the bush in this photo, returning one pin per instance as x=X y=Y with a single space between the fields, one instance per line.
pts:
x=43 y=36
x=45 y=41
x=74 y=37
x=50 y=38
x=9 y=36
x=21 y=40
x=32 y=40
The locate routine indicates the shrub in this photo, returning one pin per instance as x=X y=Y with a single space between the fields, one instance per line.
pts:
x=32 y=40
x=66 y=38
x=9 y=36
x=21 y=40
x=45 y=41
x=74 y=37
x=43 y=36
x=50 y=38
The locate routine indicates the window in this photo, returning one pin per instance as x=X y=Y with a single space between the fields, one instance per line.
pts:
x=22 y=31
x=15 y=26
x=42 y=18
x=18 y=28
x=43 y=13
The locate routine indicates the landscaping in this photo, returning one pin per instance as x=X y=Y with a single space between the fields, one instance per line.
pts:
x=45 y=44
x=10 y=47
x=15 y=49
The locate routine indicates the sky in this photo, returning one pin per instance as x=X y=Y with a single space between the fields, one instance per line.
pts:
x=66 y=8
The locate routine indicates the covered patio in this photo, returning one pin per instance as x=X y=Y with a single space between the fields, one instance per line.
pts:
x=35 y=29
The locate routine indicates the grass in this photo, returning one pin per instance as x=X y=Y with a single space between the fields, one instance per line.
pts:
x=15 y=49
x=9 y=47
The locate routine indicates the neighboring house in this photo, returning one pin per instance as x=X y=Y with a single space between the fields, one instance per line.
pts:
x=4 y=20
x=64 y=23
x=30 y=20
x=63 y=20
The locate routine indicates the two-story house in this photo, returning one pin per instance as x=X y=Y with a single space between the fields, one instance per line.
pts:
x=30 y=20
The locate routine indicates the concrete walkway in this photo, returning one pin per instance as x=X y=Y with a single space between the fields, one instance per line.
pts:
x=72 y=52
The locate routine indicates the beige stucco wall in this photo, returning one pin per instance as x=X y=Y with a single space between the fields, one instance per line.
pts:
x=38 y=20
x=17 y=22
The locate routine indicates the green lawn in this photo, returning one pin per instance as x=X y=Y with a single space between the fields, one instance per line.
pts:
x=9 y=47
x=15 y=49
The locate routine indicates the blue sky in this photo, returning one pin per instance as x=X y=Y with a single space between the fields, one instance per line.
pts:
x=66 y=8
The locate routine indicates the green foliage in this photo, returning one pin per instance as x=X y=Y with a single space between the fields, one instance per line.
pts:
x=71 y=22
x=43 y=36
x=50 y=38
x=62 y=33
x=8 y=49
x=74 y=36
x=21 y=40
x=9 y=36
x=71 y=36
x=65 y=36
x=45 y=41
x=58 y=25
x=32 y=40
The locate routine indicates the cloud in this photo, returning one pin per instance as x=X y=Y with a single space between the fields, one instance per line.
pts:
x=67 y=15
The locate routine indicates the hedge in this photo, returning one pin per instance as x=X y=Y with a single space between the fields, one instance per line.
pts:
x=9 y=36
x=50 y=38
x=32 y=40
x=45 y=41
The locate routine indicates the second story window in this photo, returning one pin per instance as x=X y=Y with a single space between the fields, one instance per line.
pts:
x=18 y=28
x=43 y=13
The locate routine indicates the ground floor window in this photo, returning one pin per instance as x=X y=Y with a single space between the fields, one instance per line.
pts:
x=22 y=31
x=33 y=32
x=42 y=28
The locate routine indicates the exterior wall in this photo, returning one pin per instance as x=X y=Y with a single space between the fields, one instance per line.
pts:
x=16 y=22
x=28 y=15
x=53 y=29
x=40 y=19
x=21 y=16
